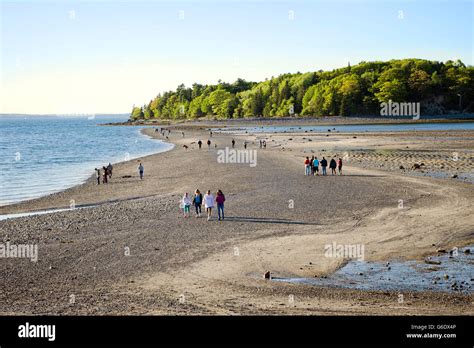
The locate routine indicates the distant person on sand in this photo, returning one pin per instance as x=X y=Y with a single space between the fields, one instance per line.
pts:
x=333 y=165
x=197 y=202
x=245 y=144
x=208 y=204
x=233 y=143
x=208 y=144
x=316 y=166
x=311 y=165
x=97 y=173
x=109 y=170
x=200 y=144
x=105 y=175
x=186 y=202
x=307 y=169
x=339 y=165
x=210 y=134
x=324 y=164
x=141 y=169
x=182 y=134
x=220 y=199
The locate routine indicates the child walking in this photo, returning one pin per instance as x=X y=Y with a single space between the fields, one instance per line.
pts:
x=186 y=203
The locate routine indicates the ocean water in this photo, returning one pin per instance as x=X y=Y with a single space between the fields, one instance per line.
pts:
x=40 y=155
x=351 y=128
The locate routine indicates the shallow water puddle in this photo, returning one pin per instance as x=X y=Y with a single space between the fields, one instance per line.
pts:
x=448 y=272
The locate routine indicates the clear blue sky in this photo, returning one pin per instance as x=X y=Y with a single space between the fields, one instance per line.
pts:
x=104 y=56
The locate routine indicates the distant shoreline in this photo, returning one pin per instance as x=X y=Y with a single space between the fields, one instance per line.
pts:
x=323 y=121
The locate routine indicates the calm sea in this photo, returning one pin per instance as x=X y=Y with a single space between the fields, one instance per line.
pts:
x=40 y=155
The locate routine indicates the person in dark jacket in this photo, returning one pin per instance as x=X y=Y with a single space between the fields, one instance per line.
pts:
x=97 y=171
x=197 y=202
x=324 y=164
x=105 y=175
x=333 y=166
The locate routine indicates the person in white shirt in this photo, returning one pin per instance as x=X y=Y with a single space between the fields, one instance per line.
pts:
x=186 y=203
x=208 y=203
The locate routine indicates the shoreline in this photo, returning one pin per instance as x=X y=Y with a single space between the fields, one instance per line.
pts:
x=82 y=252
x=87 y=180
x=323 y=121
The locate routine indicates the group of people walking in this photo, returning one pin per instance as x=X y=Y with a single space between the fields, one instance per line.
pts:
x=311 y=166
x=263 y=144
x=105 y=175
x=197 y=200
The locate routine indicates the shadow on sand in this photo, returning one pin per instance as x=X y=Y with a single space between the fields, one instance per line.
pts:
x=267 y=220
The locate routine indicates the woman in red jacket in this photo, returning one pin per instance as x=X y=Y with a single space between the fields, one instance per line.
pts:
x=220 y=199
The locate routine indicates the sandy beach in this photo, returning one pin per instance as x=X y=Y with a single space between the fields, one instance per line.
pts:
x=126 y=249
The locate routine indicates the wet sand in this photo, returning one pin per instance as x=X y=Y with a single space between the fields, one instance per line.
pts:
x=133 y=253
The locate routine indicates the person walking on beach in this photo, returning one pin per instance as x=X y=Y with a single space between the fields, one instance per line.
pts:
x=208 y=204
x=333 y=165
x=245 y=144
x=109 y=170
x=97 y=173
x=220 y=199
x=186 y=203
x=324 y=164
x=197 y=202
x=233 y=143
x=315 y=166
x=307 y=169
x=141 y=169
x=311 y=165
x=210 y=134
x=200 y=144
x=339 y=165
x=105 y=175
x=208 y=144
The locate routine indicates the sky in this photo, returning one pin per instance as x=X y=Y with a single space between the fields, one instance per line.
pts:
x=84 y=57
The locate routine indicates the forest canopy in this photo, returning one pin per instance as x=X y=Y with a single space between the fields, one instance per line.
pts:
x=440 y=88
